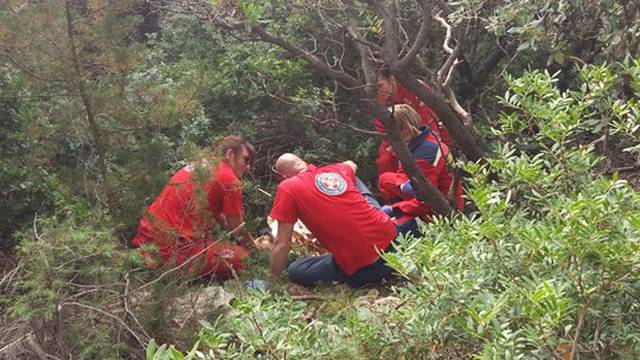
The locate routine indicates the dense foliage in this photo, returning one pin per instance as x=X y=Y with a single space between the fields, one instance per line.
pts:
x=101 y=101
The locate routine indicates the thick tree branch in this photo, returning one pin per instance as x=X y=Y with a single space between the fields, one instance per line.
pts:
x=311 y=59
x=462 y=135
x=415 y=48
x=390 y=42
x=363 y=49
x=425 y=191
x=89 y=111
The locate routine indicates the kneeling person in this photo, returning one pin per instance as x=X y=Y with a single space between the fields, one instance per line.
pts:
x=329 y=200
x=181 y=221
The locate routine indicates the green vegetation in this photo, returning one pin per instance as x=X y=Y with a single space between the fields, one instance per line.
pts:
x=101 y=101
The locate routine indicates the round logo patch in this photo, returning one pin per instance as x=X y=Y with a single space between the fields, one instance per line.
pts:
x=331 y=183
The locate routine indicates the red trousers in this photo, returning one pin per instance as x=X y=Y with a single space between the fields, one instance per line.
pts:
x=389 y=184
x=220 y=259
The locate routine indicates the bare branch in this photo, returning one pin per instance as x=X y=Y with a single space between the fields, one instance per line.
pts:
x=445 y=73
x=307 y=56
x=37 y=350
x=447 y=80
x=125 y=303
x=390 y=42
x=8 y=277
x=447 y=48
x=363 y=47
x=335 y=122
x=415 y=48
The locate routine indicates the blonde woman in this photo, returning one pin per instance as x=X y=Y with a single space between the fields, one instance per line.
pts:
x=430 y=154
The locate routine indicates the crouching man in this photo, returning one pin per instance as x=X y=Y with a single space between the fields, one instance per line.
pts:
x=343 y=215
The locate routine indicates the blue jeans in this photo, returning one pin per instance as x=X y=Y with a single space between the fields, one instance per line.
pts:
x=311 y=270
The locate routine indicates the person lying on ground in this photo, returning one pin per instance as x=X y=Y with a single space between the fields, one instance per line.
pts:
x=341 y=213
x=432 y=157
x=201 y=202
x=391 y=92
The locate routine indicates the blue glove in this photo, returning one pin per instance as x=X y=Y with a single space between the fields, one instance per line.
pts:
x=257 y=284
x=407 y=189
x=388 y=209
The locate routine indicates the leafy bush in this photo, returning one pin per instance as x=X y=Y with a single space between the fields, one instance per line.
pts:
x=547 y=267
x=68 y=283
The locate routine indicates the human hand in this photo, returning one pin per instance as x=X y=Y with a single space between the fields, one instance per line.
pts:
x=388 y=209
x=257 y=284
x=407 y=189
x=263 y=242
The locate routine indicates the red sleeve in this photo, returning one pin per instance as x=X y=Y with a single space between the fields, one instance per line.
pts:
x=347 y=171
x=231 y=192
x=413 y=207
x=232 y=203
x=386 y=160
x=432 y=173
x=284 y=208
x=379 y=126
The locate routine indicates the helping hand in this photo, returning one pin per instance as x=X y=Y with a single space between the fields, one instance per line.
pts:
x=257 y=284
x=407 y=189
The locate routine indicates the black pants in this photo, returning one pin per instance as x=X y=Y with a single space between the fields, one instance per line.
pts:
x=311 y=270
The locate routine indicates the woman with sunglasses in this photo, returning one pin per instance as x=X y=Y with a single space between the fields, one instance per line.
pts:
x=184 y=226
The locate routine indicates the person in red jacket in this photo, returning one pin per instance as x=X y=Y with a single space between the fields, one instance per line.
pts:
x=343 y=215
x=200 y=200
x=391 y=92
x=430 y=154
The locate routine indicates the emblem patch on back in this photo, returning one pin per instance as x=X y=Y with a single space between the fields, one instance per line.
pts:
x=331 y=183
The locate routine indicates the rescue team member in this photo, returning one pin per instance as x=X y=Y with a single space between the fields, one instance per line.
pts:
x=343 y=215
x=198 y=198
x=430 y=154
x=391 y=92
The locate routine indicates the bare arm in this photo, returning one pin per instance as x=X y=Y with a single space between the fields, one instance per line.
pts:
x=280 y=249
x=244 y=238
x=352 y=165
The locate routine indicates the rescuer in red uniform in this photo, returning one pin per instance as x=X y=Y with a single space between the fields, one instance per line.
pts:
x=343 y=215
x=430 y=154
x=391 y=92
x=200 y=202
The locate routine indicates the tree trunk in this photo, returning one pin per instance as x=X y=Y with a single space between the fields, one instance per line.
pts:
x=78 y=82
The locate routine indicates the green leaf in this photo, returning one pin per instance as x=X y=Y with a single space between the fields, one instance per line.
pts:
x=151 y=349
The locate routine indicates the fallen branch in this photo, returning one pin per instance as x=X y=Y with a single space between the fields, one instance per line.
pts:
x=9 y=348
x=125 y=304
x=343 y=125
